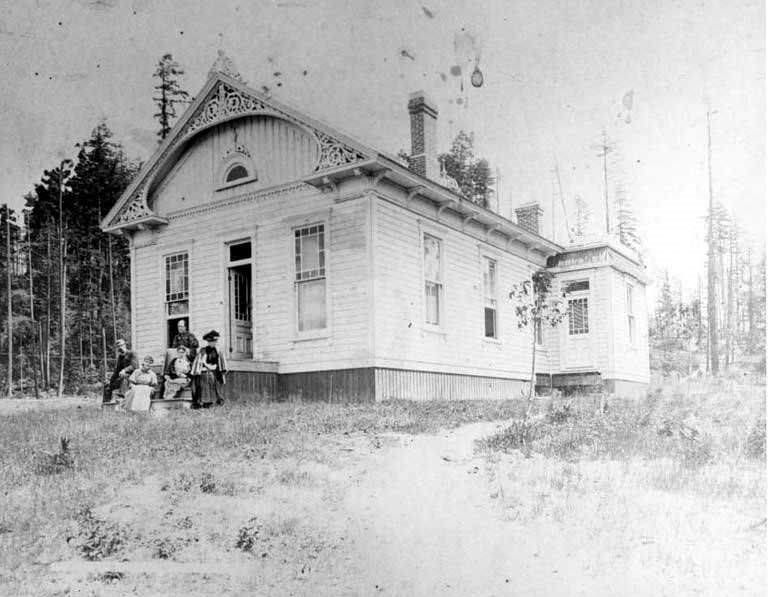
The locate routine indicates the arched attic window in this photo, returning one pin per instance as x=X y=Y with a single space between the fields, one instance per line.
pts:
x=235 y=172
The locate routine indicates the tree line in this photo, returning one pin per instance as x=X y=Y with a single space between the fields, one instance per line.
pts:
x=67 y=283
x=682 y=328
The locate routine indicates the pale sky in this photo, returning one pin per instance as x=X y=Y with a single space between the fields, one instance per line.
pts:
x=556 y=74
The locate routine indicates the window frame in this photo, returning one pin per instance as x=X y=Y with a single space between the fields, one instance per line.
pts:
x=631 y=320
x=324 y=331
x=577 y=296
x=231 y=168
x=485 y=261
x=439 y=283
x=185 y=294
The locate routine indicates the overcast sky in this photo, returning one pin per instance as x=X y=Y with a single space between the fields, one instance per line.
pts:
x=556 y=75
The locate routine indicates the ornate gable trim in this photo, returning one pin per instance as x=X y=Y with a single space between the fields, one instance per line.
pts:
x=227 y=99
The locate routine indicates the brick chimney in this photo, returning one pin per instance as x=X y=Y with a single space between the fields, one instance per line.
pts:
x=423 y=159
x=530 y=217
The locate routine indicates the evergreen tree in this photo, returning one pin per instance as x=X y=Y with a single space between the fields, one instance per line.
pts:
x=473 y=176
x=583 y=219
x=169 y=93
x=97 y=267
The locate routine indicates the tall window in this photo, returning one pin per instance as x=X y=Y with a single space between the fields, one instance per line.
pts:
x=309 y=253
x=630 y=315
x=177 y=284
x=433 y=279
x=489 y=297
x=578 y=316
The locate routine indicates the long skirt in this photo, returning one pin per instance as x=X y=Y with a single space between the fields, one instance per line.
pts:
x=209 y=391
x=138 y=398
x=173 y=387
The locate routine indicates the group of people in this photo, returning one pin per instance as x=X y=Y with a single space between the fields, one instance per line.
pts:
x=188 y=368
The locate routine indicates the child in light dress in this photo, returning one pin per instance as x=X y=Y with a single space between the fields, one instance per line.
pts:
x=142 y=383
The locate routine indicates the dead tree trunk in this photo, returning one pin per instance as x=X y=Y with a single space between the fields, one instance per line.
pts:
x=714 y=358
x=33 y=322
x=10 y=298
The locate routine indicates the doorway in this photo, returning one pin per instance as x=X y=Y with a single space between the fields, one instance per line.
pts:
x=239 y=275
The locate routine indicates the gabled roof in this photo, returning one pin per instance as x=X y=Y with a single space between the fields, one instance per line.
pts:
x=225 y=97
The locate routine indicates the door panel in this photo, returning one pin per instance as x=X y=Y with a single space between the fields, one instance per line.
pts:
x=240 y=322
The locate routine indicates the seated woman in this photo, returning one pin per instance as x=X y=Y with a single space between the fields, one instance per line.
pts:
x=142 y=383
x=177 y=374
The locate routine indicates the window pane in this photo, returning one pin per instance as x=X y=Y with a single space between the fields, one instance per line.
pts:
x=310 y=252
x=576 y=286
x=236 y=172
x=578 y=316
x=432 y=258
x=178 y=308
x=432 y=301
x=176 y=277
x=489 y=278
x=239 y=251
x=311 y=305
x=490 y=323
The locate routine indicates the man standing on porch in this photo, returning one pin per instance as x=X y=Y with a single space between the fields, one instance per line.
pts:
x=185 y=338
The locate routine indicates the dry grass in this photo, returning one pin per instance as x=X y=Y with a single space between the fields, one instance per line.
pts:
x=52 y=513
x=666 y=493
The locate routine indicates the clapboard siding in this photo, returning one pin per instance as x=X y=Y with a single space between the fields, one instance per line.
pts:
x=392 y=384
x=403 y=340
x=279 y=152
x=630 y=357
x=268 y=219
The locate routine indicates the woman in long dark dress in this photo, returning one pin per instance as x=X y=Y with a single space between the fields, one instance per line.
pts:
x=209 y=370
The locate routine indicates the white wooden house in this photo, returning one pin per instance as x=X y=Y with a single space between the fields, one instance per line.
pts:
x=333 y=271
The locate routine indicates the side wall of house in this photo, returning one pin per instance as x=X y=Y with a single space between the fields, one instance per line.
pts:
x=590 y=352
x=409 y=351
x=630 y=355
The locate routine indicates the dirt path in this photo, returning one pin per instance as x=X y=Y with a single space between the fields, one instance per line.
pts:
x=424 y=515
x=426 y=523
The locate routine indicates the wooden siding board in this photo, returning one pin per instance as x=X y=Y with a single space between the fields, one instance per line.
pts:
x=400 y=384
x=401 y=334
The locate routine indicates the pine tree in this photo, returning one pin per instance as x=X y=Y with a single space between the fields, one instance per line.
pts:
x=97 y=267
x=583 y=217
x=473 y=176
x=169 y=93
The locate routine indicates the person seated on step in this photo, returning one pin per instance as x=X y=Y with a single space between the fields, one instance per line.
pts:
x=177 y=374
x=142 y=382
x=126 y=363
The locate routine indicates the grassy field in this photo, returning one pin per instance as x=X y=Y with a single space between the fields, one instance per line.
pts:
x=665 y=495
x=183 y=471
x=257 y=498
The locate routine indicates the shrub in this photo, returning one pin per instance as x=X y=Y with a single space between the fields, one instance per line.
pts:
x=98 y=539
x=248 y=535
x=755 y=447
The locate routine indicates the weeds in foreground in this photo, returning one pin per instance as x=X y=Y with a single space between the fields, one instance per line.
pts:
x=692 y=431
x=96 y=538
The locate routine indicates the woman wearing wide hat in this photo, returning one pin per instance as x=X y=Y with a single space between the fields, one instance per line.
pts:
x=209 y=370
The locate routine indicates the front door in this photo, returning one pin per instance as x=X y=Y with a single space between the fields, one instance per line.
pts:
x=240 y=323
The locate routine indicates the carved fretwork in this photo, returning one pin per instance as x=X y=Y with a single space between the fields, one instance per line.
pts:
x=333 y=153
x=136 y=209
x=224 y=104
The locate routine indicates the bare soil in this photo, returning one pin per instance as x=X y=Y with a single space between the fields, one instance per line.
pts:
x=395 y=514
